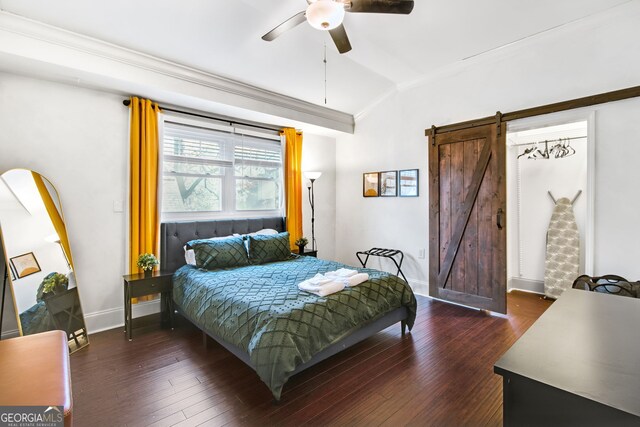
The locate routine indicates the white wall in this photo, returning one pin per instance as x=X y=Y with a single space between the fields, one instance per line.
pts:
x=573 y=61
x=78 y=139
x=319 y=155
x=382 y=142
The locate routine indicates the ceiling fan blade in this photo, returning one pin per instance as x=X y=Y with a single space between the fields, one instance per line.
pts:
x=290 y=23
x=403 y=7
x=340 y=38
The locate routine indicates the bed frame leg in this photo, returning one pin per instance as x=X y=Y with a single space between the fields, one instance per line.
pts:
x=204 y=339
x=403 y=326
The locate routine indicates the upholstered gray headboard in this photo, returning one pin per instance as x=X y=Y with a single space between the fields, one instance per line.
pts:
x=174 y=235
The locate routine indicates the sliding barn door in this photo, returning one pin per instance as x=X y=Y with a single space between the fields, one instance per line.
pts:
x=467 y=228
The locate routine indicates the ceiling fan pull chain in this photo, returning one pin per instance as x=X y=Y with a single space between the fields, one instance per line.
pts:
x=325 y=73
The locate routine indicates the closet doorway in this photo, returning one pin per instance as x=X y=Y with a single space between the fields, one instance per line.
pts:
x=550 y=162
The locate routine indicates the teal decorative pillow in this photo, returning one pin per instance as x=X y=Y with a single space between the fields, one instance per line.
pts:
x=223 y=253
x=269 y=248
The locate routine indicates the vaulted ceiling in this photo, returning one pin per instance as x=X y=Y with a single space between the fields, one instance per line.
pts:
x=223 y=37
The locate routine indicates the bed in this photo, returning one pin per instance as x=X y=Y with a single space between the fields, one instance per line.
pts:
x=258 y=313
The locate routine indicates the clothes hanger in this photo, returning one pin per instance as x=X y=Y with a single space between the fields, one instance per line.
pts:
x=528 y=151
x=544 y=154
x=569 y=148
x=576 y=196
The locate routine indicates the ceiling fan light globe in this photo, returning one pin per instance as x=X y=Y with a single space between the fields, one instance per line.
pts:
x=325 y=14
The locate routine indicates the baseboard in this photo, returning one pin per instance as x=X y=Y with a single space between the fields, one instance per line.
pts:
x=526 y=285
x=419 y=287
x=10 y=334
x=104 y=320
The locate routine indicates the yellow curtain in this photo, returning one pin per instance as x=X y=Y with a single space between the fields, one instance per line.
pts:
x=144 y=218
x=293 y=183
x=54 y=214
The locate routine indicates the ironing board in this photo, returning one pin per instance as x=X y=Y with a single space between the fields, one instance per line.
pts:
x=562 y=260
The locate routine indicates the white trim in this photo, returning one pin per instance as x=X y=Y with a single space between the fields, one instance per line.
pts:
x=373 y=104
x=209 y=215
x=197 y=122
x=419 y=287
x=258 y=133
x=525 y=285
x=13 y=333
x=212 y=123
x=590 y=232
x=116 y=68
x=104 y=320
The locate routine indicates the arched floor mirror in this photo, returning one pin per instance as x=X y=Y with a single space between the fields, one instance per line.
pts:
x=38 y=257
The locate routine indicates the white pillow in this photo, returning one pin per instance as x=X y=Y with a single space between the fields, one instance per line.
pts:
x=263 y=232
x=190 y=255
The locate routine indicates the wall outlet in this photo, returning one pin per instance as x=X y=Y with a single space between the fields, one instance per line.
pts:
x=118 y=206
x=421 y=253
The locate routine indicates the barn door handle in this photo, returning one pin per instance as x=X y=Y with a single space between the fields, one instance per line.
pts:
x=499 y=218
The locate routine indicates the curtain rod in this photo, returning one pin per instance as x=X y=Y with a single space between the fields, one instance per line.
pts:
x=231 y=122
x=550 y=140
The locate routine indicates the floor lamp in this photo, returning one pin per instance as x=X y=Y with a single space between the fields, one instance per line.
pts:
x=312 y=176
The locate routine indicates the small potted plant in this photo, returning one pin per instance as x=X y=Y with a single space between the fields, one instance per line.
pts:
x=301 y=243
x=53 y=284
x=146 y=262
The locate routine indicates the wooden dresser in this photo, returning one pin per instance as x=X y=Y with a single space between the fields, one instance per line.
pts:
x=579 y=364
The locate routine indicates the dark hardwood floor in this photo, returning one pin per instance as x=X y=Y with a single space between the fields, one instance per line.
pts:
x=439 y=374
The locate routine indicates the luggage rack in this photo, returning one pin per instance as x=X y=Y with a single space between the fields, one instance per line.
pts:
x=383 y=253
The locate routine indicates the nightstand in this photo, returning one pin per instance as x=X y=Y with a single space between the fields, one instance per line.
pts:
x=139 y=285
x=310 y=253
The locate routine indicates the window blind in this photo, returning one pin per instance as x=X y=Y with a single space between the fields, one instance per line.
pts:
x=188 y=144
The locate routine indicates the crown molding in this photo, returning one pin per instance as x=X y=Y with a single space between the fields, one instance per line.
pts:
x=372 y=105
x=34 y=40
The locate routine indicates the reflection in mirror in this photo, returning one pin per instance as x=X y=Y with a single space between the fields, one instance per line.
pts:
x=38 y=254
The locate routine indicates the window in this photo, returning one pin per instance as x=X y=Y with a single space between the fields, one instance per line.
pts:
x=211 y=171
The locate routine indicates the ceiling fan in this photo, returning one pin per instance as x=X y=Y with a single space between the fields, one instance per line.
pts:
x=327 y=15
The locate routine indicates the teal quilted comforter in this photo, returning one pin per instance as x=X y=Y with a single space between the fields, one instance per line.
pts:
x=260 y=310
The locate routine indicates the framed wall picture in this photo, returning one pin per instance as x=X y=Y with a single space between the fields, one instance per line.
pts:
x=25 y=265
x=409 y=183
x=389 y=184
x=370 y=184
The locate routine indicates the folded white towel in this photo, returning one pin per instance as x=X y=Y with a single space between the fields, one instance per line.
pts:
x=318 y=279
x=354 y=280
x=314 y=283
x=342 y=272
x=321 y=290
